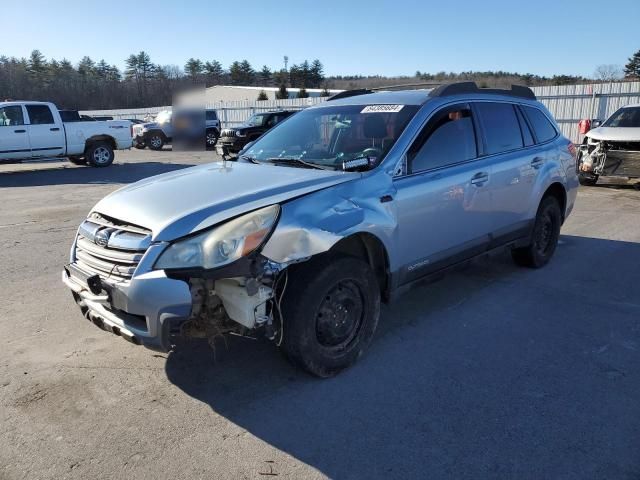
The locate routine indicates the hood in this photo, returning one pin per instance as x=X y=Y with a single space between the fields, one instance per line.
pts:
x=615 y=134
x=178 y=203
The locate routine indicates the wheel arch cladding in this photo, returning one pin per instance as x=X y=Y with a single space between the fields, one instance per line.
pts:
x=372 y=251
x=558 y=191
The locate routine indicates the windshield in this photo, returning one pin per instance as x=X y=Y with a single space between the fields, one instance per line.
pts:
x=256 y=120
x=164 y=116
x=625 y=117
x=329 y=136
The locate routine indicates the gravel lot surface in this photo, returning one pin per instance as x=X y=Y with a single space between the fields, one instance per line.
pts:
x=493 y=372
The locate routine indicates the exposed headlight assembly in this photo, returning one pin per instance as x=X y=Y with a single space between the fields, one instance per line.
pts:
x=240 y=133
x=221 y=245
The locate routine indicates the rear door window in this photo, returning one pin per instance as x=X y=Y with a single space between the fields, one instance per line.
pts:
x=542 y=127
x=448 y=138
x=500 y=126
x=39 y=115
x=211 y=115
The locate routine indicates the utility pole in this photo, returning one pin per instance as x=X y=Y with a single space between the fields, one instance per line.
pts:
x=286 y=63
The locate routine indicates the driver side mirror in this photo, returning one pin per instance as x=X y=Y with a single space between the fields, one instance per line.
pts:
x=595 y=123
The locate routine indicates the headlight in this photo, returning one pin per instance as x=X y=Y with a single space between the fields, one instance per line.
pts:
x=222 y=245
x=240 y=133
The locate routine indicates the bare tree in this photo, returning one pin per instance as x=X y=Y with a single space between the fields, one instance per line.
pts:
x=608 y=72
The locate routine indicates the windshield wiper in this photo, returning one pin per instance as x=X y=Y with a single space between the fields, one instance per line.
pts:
x=288 y=160
x=251 y=159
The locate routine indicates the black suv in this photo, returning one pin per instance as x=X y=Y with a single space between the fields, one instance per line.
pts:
x=232 y=140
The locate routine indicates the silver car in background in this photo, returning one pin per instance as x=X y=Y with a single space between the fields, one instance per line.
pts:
x=344 y=205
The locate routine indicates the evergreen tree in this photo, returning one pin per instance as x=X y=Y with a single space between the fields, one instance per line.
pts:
x=235 y=73
x=262 y=96
x=265 y=76
x=302 y=93
x=193 y=68
x=317 y=73
x=632 y=69
x=214 y=71
x=282 y=92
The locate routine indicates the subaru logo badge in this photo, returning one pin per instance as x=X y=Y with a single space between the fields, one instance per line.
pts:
x=101 y=238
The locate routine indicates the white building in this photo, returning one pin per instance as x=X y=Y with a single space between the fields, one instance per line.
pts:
x=227 y=93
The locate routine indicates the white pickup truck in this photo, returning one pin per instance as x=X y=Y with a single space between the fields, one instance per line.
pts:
x=32 y=130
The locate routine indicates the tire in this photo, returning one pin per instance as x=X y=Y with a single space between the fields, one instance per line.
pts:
x=587 y=180
x=99 y=154
x=544 y=238
x=319 y=290
x=155 y=141
x=77 y=160
x=211 y=138
x=140 y=146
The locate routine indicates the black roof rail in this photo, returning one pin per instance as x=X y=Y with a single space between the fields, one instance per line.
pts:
x=349 y=93
x=471 y=87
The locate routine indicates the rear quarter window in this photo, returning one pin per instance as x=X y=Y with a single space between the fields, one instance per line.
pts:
x=542 y=126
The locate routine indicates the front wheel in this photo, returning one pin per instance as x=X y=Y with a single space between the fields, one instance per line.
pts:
x=99 y=154
x=588 y=180
x=155 y=141
x=211 y=139
x=546 y=232
x=330 y=312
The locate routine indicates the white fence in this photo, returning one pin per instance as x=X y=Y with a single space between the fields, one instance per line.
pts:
x=568 y=104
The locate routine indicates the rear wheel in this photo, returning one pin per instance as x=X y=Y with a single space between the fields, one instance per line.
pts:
x=139 y=146
x=99 y=154
x=546 y=232
x=330 y=312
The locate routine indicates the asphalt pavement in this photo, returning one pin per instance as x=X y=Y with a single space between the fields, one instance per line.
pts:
x=494 y=372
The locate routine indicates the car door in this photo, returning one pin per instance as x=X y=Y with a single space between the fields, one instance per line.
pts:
x=46 y=137
x=14 y=137
x=508 y=143
x=443 y=201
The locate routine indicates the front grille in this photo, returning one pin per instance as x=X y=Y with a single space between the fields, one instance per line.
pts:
x=110 y=248
x=228 y=132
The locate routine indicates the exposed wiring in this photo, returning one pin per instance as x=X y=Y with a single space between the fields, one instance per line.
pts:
x=279 y=301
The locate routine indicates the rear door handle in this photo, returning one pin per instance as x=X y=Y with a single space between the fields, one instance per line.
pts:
x=480 y=179
x=537 y=162
x=55 y=129
x=20 y=131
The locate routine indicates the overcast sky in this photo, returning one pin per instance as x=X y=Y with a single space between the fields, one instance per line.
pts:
x=350 y=37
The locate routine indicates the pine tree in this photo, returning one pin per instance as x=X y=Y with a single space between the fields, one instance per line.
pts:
x=632 y=69
x=262 y=96
x=282 y=93
x=265 y=76
x=317 y=73
x=214 y=71
x=302 y=93
x=193 y=68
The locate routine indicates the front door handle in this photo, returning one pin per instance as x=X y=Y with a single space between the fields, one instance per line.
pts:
x=20 y=131
x=55 y=129
x=537 y=162
x=480 y=179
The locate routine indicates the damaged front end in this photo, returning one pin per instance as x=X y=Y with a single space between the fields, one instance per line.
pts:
x=242 y=300
x=610 y=158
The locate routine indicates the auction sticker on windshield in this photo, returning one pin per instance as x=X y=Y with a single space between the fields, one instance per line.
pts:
x=382 y=109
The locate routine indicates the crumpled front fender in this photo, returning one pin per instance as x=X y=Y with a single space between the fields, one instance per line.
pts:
x=314 y=223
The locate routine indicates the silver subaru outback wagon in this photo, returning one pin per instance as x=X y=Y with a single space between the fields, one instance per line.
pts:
x=341 y=206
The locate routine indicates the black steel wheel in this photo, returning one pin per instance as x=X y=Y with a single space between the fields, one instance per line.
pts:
x=330 y=312
x=545 y=235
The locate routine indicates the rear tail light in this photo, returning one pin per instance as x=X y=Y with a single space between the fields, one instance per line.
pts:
x=572 y=150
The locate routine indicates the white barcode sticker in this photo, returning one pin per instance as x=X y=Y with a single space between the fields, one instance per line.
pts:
x=382 y=109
